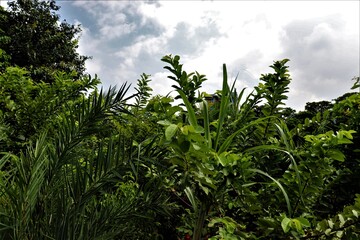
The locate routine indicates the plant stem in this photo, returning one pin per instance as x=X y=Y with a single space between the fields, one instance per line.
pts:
x=200 y=220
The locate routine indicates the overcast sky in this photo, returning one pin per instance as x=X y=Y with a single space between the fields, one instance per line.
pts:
x=125 y=39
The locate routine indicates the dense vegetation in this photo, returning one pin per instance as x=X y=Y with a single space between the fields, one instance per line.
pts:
x=78 y=162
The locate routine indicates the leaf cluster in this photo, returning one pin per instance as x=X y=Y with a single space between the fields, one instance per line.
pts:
x=33 y=39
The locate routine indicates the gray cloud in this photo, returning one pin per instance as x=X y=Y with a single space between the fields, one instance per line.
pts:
x=113 y=27
x=242 y=66
x=124 y=42
x=190 y=40
x=117 y=21
x=323 y=56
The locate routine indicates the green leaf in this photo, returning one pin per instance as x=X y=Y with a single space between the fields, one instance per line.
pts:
x=355 y=213
x=222 y=159
x=336 y=155
x=298 y=226
x=196 y=147
x=164 y=122
x=344 y=141
x=331 y=223
x=190 y=109
x=339 y=234
x=205 y=189
x=171 y=111
x=170 y=131
x=342 y=220
x=185 y=130
x=223 y=106
x=206 y=124
x=285 y=224
x=198 y=129
x=304 y=221
x=190 y=195
x=348 y=134
x=279 y=185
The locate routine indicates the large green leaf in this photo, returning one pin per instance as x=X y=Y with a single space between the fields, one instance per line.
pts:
x=170 y=131
x=190 y=109
x=224 y=105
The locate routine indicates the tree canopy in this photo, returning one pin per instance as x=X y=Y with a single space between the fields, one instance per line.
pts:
x=34 y=38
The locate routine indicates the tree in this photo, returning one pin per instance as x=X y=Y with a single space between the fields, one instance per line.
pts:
x=23 y=114
x=275 y=87
x=33 y=38
x=38 y=64
x=91 y=166
x=315 y=107
x=65 y=185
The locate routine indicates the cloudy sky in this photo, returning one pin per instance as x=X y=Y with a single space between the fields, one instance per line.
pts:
x=127 y=38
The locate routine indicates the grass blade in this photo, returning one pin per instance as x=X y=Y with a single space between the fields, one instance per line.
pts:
x=207 y=124
x=279 y=185
x=229 y=139
x=190 y=109
x=223 y=106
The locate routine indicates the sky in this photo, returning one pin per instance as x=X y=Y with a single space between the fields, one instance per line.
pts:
x=128 y=38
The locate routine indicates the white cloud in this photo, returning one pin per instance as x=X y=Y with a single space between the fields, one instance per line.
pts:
x=324 y=58
x=161 y=83
x=320 y=38
x=116 y=31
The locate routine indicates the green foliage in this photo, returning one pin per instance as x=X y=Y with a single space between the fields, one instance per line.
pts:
x=61 y=189
x=22 y=110
x=357 y=82
x=88 y=165
x=275 y=86
x=33 y=38
x=230 y=230
x=344 y=225
x=318 y=107
x=206 y=162
x=296 y=225
x=188 y=83
x=143 y=90
x=4 y=60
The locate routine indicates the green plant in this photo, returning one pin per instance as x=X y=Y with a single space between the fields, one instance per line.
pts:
x=34 y=40
x=68 y=186
x=22 y=108
x=143 y=90
x=188 y=83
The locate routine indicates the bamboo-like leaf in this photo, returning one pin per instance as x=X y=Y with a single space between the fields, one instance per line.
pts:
x=276 y=148
x=190 y=196
x=226 y=144
x=279 y=185
x=223 y=106
x=239 y=100
x=206 y=123
x=189 y=108
x=284 y=131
